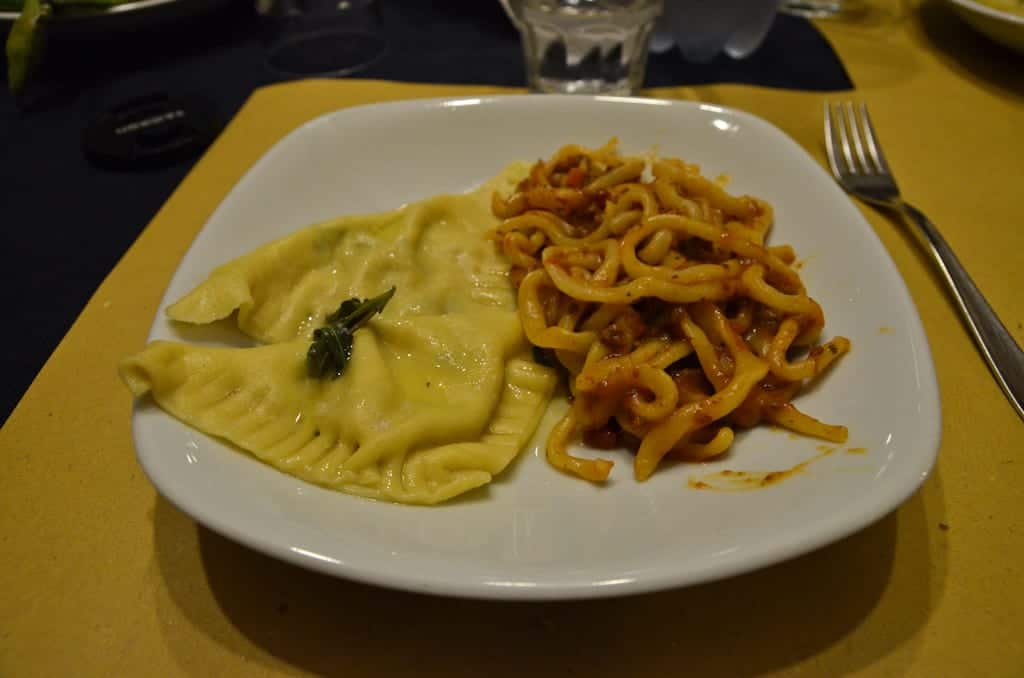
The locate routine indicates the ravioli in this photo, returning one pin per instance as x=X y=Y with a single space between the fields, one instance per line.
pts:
x=434 y=252
x=440 y=394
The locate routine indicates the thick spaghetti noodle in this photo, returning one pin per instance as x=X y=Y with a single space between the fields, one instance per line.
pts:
x=655 y=289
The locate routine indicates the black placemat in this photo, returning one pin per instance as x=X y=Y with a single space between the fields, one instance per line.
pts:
x=64 y=223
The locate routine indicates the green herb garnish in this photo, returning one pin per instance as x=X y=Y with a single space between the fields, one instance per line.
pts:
x=331 y=349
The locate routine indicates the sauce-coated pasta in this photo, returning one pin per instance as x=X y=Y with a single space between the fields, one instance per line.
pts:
x=656 y=290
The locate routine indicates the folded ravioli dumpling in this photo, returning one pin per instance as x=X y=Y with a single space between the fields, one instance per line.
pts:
x=430 y=408
x=440 y=394
x=433 y=252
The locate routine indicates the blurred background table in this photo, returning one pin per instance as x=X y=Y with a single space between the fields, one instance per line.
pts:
x=100 y=576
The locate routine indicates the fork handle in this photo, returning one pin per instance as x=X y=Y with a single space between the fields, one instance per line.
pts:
x=1001 y=352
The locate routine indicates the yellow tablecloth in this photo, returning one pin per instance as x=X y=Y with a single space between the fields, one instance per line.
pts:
x=99 y=576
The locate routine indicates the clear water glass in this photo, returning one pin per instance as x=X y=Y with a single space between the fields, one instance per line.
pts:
x=585 y=46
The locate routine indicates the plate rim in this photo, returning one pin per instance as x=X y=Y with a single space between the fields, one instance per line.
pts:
x=988 y=11
x=794 y=546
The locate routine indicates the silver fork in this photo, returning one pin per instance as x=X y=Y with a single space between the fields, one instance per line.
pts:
x=858 y=165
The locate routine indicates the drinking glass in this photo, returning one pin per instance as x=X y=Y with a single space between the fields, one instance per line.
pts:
x=584 y=46
x=321 y=37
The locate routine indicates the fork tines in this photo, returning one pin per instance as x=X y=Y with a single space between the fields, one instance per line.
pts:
x=843 y=122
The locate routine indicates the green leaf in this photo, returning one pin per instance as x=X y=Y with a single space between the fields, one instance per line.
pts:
x=331 y=350
x=25 y=43
x=346 y=309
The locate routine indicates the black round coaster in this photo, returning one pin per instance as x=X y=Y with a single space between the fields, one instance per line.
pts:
x=154 y=130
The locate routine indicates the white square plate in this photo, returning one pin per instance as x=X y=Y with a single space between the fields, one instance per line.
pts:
x=535 y=533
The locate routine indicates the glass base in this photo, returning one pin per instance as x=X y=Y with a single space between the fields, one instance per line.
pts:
x=329 y=52
x=582 y=86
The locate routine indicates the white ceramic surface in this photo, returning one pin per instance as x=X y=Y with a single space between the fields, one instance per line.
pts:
x=1004 y=27
x=534 y=533
x=701 y=30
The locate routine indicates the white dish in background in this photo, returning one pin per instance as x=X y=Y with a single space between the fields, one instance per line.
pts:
x=535 y=533
x=1004 y=27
